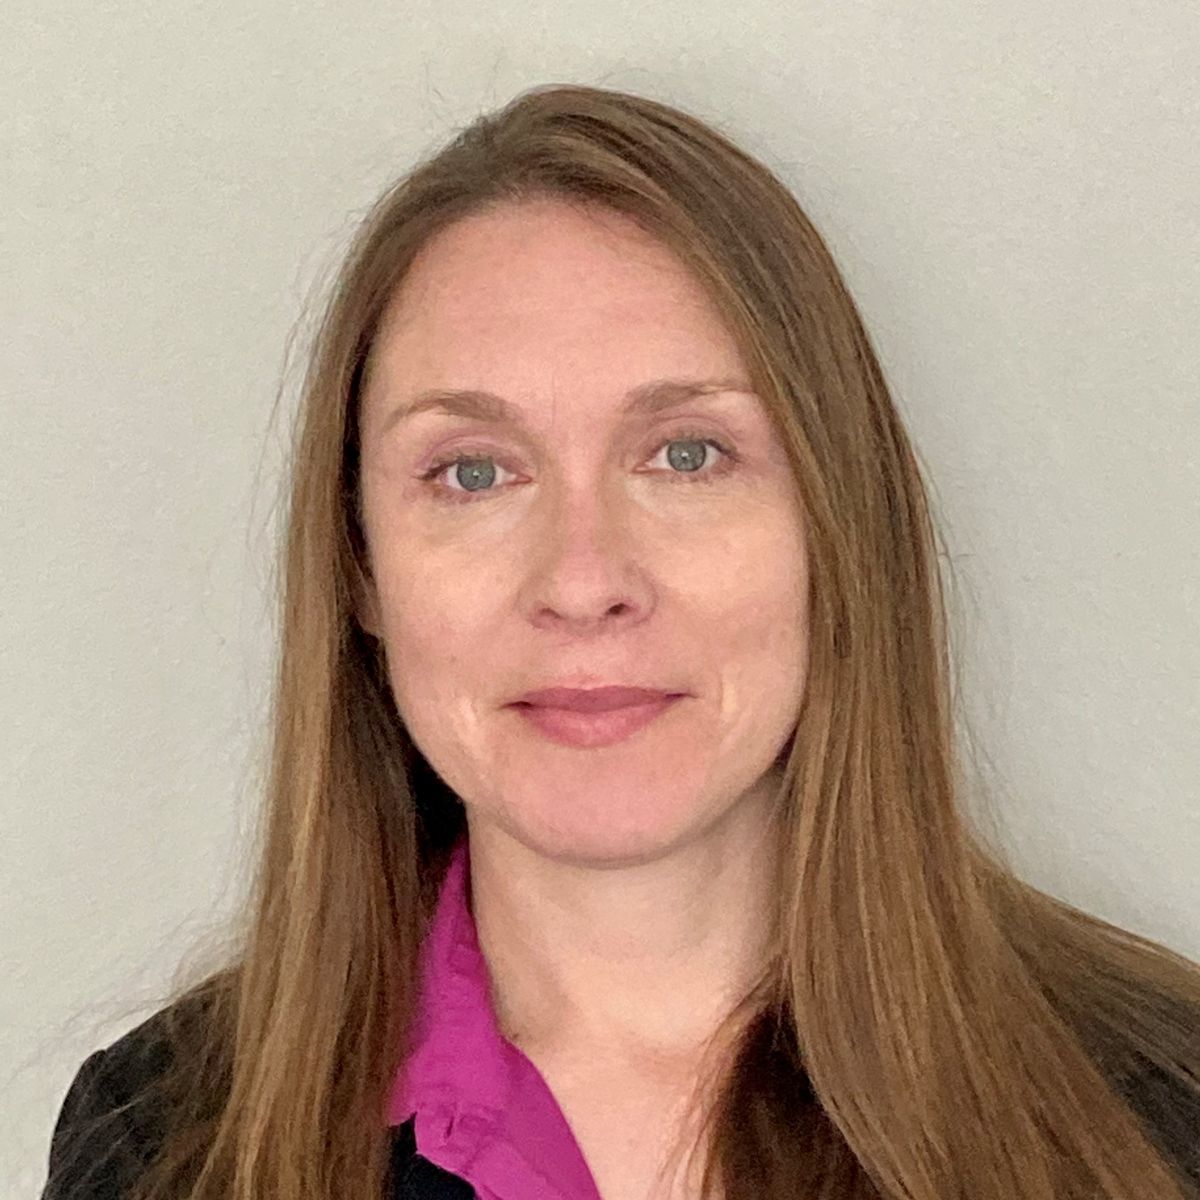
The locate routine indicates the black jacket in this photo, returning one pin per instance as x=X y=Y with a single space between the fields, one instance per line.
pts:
x=96 y=1152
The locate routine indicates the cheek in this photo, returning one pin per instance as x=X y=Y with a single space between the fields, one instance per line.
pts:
x=753 y=567
x=756 y=595
x=435 y=620
x=439 y=625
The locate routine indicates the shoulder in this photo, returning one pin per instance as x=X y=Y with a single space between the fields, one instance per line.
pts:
x=111 y=1120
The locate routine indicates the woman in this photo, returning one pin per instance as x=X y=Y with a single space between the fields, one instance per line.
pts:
x=592 y=409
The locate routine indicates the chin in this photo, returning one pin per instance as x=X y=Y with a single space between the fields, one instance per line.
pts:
x=604 y=846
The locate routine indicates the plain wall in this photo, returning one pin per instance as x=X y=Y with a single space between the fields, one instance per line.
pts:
x=1009 y=189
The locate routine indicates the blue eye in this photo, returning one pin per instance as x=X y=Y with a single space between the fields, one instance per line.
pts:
x=694 y=456
x=479 y=468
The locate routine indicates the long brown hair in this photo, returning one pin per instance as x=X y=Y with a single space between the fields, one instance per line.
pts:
x=930 y=1027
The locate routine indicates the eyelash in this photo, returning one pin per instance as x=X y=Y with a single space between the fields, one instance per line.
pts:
x=447 y=495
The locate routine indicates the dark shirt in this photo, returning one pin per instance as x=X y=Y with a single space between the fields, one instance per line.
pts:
x=97 y=1153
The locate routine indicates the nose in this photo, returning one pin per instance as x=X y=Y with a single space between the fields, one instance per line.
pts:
x=587 y=569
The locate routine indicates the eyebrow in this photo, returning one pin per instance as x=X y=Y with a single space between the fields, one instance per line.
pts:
x=647 y=399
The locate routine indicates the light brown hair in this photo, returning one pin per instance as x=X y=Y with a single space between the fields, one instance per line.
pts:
x=930 y=1028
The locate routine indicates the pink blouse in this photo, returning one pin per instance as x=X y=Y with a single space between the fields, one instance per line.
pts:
x=483 y=1110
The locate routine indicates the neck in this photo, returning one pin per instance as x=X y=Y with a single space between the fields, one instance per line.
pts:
x=637 y=964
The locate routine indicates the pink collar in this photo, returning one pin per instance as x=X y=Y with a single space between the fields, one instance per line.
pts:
x=483 y=1110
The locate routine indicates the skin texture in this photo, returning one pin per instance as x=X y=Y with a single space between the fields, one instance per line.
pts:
x=620 y=892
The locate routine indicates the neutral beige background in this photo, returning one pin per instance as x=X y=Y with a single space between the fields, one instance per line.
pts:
x=1009 y=188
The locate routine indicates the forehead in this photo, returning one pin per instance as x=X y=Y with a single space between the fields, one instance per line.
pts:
x=543 y=292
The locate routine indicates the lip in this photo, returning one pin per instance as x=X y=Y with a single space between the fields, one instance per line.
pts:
x=593 y=700
x=584 y=729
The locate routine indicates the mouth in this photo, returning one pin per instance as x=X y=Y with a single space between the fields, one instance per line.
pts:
x=585 y=728
x=595 y=699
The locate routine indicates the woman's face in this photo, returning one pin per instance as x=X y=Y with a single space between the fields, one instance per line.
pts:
x=589 y=545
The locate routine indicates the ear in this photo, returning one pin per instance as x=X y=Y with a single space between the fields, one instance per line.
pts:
x=366 y=602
